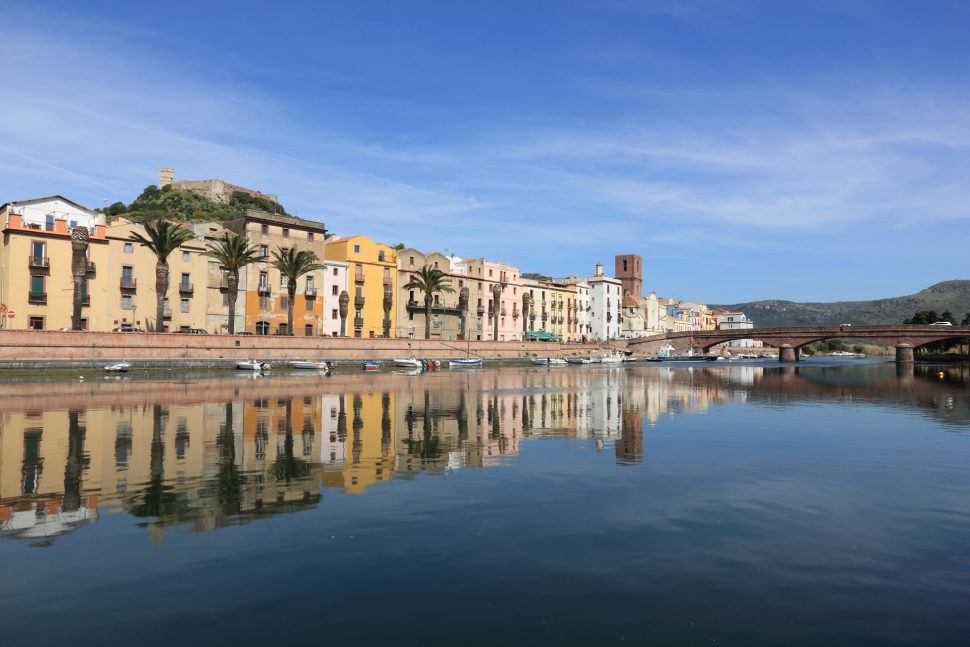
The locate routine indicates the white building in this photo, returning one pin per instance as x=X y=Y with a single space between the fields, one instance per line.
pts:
x=605 y=301
x=334 y=282
x=736 y=321
x=641 y=316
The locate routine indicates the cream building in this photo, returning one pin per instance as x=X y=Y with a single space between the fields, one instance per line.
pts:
x=446 y=317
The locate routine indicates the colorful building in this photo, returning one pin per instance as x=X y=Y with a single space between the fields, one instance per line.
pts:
x=266 y=294
x=334 y=283
x=36 y=281
x=495 y=291
x=372 y=284
x=554 y=308
x=446 y=316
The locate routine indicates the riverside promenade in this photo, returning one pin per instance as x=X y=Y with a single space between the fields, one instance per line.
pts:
x=48 y=349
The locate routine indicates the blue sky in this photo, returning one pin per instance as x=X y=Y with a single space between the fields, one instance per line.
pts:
x=803 y=150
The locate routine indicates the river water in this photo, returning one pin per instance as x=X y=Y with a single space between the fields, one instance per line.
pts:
x=744 y=505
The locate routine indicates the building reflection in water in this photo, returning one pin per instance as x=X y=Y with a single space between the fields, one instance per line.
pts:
x=213 y=452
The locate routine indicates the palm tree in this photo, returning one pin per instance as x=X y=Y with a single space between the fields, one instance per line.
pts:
x=233 y=252
x=163 y=238
x=293 y=264
x=429 y=280
x=80 y=240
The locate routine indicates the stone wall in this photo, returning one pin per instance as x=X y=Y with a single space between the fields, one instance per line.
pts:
x=28 y=348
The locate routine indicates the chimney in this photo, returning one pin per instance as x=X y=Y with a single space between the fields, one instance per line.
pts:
x=166 y=176
x=599 y=269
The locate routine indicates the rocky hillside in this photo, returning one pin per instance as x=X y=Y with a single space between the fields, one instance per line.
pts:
x=949 y=295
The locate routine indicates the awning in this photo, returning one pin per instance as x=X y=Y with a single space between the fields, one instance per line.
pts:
x=539 y=335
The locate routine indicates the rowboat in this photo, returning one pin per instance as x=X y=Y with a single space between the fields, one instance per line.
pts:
x=465 y=362
x=577 y=360
x=370 y=365
x=252 y=365
x=311 y=366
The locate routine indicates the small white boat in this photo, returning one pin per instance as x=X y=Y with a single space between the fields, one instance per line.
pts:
x=611 y=358
x=577 y=360
x=252 y=365
x=540 y=361
x=118 y=367
x=557 y=361
x=465 y=361
x=311 y=366
x=409 y=362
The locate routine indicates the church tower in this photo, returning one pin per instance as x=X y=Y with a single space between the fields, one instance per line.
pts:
x=629 y=269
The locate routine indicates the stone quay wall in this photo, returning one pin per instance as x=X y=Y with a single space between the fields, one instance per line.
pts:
x=53 y=349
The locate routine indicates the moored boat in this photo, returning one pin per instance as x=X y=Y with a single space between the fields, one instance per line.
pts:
x=408 y=362
x=370 y=365
x=252 y=365
x=465 y=362
x=311 y=366
x=557 y=361
x=118 y=367
x=577 y=360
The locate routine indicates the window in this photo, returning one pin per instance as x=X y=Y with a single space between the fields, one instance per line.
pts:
x=436 y=264
x=184 y=305
x=309 y=284
x=461 y=283
x=35 y=323
x=284 y=303
x=37 y=284
x=333 y=290
x=263 y=280
x=262 y=328
x=286 y=232
x=264 y=302
x=335 y=271
x=333 y=314
x=184 y=281
x=410 y=260
x=126 y=302
x=308 y=330
x=72 y=224
x=38 y=249
x=282 y=330
x=284 y=251
x=129 y=248
x=264 y=250
x=185 y=256
x=380 y=256
x=309 y=236
x=264 y=229
x=490 y=272
x=357 y=249
x=284 y=280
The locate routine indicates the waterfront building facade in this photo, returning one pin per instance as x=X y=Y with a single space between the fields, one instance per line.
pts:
x=553 y=308
x=334 y=284
x=36 y=280
x=266 y=295
x=127 y=283
x=495 y=291
x=736 y=321
x=372 y=284
x=446 y=314
x=605 y=306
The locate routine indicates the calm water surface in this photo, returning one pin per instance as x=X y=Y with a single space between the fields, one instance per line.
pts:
x=743 y=505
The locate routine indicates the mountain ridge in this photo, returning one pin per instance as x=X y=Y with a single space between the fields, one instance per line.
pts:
x=953 y=295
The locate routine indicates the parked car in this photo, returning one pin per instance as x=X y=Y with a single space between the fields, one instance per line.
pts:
x=941 y=323
x=192 y=331
x=128 y=329
x=844 y=325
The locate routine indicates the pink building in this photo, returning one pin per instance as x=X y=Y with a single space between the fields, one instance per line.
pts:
x=483 y=276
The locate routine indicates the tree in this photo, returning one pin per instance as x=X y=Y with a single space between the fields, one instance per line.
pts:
x=923 y=317
x=966 y=320
x=293 y=264
x=399 y=247
x=79 y=271
x=163 y=238
x=429 y=280
x=233 y=252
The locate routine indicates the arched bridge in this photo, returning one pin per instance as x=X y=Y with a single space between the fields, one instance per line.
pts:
x=904 y=338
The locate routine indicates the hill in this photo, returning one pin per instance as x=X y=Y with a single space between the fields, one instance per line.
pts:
x=189 y=206
x=949 y=295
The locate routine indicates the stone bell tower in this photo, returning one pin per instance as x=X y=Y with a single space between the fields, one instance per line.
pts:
x=629 y=269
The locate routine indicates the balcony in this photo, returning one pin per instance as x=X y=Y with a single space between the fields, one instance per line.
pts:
x=311 y=292
x=387 y=280
x=503 y=311
x=263 y=288
x=39 y=261
x=186 y=288
x=359 y=302
x=167 y=313
x=480 y=310
x=86 y=301
x=37 y=297
x=128 y=283
x=358 y=322
x=92 y=268
x=359 y=277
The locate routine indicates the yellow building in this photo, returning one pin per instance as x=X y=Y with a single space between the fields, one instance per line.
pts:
x=266 y=295
x=126 y=284
x=554 y=308
x=372 y=284
x=36 y=283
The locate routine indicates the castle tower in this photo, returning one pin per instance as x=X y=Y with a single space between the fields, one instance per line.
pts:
x=166 y=176
x=629 y=269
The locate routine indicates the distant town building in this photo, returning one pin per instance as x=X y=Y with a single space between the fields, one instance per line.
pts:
x=446 y=317
x=606 y=309
x=372 y=284
x=629 y=270
x=736 y=321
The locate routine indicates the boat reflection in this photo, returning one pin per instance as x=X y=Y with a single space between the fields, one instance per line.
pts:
x=208 y=452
